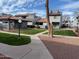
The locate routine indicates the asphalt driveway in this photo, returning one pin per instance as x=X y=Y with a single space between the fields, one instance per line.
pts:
x=62 y=47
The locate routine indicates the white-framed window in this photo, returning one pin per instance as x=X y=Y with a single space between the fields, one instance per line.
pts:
x=29 y=23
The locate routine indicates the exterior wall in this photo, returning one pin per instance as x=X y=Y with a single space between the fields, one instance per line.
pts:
x=45 y=25
x=12 y=25
x=1 y=25
x=56 y=19
x=4 y=25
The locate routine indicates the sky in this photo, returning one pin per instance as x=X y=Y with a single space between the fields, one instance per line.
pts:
x=38 y=6
x=66 y=6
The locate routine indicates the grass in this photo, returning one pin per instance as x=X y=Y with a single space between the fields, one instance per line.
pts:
x=31 y=31
x=14 y=40
x=64 y=32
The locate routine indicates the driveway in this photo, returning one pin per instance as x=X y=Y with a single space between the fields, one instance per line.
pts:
x=62 y=47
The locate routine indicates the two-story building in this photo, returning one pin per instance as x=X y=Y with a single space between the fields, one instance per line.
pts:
x=56 y=18
x=11 y=22
x=42 y=23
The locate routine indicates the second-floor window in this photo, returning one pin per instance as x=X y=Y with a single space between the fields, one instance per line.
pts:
x=55 y=17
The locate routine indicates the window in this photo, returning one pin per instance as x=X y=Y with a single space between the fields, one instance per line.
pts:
x=55 y=17
x=55 y=23
x=39 y=23
x=5 y=22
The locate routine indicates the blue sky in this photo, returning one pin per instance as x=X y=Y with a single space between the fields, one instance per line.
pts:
x=66 y=6
x=38 y=6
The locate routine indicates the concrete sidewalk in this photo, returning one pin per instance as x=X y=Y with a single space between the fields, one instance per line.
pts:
x=41 y=33
x=15 y=33
x=39 y=51
x=15 y=52
x=24 y=34
x=35 y=50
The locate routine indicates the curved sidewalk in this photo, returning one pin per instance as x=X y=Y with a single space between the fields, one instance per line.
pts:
x=39 y=50
x=35 y=50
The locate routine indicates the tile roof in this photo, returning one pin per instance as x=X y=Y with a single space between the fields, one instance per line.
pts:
x=13 y=17
x=16 y=18
x=26 y=14
x=8 y=17
x=44 y=20
x=4 y=17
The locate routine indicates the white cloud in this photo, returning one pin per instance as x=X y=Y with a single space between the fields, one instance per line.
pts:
x=68 y=0
x=12 y=6
x=40 y=13
x=67 y=13
x=39 y=2
x=2 y=2
x=73 y=5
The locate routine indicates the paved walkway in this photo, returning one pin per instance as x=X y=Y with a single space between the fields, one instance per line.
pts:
x=41 y=33
x=35 y=50
x=39 y=51
x=14 y=33
x=62 y=47
x=24 y=34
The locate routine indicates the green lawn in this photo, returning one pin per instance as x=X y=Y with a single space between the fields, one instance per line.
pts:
x=14 y=40
x=64 y=32
x=31 y=31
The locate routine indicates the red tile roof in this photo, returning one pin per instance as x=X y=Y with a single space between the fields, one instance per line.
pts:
x=26 y=14
x=13 y=17
x=44 y=20
x=8 y=17
x=4 y=17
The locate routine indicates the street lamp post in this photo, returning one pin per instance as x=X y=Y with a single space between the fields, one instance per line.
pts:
x=19 y=21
